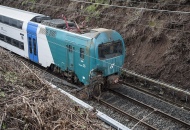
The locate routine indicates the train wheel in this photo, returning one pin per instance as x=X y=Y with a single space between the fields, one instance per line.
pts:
x=75 y=80
x=97 y=89
x=52 y=67
x=96 y=86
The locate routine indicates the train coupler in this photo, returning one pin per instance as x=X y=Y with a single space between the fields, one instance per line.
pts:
x=113 y=79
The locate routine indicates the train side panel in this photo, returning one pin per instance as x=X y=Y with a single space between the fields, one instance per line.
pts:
x=57 y=47
x=82 y=58
x=44 y=52
x=14 y=39
x=70 y=52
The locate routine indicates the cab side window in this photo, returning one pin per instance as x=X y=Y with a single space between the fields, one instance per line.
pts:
x=82 y=53
x=70 y=48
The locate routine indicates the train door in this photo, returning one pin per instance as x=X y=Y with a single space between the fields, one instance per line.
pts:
x=32 y=41
x=32 y=47
x=70 y=56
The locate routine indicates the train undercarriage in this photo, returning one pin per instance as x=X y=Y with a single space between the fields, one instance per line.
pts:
x=97 y=83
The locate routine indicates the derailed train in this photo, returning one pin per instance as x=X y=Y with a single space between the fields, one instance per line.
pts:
x=92 y=58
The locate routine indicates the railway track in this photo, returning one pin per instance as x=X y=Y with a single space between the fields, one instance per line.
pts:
x=166 y=92
x=112 y=106
x=159 y=93
x=145 y=116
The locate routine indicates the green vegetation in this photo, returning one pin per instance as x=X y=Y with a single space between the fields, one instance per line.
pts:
x=2 y=94
x=152 y=23
x=10 y=77
x=99 y=1
x=92 y=11
x=29 y=1
x=91 y=8
x=3 y=127
x=102 y=1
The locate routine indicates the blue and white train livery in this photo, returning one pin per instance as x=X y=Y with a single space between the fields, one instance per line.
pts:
x=92 y=57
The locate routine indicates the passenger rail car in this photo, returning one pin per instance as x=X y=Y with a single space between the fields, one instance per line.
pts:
x=91 y=58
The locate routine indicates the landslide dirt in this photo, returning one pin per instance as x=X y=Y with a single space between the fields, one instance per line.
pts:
x=157 y=43
x=28 y=103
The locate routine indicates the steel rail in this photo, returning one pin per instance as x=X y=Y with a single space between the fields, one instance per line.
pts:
x=125 y=113
x=158 y=96
x=156 y=82
x=156 y=110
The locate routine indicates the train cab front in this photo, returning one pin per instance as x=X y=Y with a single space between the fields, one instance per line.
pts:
x=110 y=55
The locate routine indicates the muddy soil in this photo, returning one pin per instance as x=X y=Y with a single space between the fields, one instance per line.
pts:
x=157 y=42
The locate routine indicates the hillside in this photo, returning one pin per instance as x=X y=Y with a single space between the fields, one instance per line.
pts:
x=157 y=42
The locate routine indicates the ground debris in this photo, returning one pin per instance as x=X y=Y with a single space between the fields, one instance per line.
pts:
x=27 y=103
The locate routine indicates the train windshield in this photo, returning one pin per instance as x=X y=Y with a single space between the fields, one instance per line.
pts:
x=109 y=50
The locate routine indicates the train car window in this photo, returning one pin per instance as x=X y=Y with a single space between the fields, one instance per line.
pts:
x=12 y=41
x=30 y=44
x=10 y=21
x=21 y=45
x=15 y=43
x=82 y=53
x=34 y=43
x=0 y=18
x=19 y=24
x=9 y=40
x=5 y=20
x=1 y=37
x=13 y=22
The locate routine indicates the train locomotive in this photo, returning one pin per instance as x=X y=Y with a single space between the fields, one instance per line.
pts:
x=93 y=57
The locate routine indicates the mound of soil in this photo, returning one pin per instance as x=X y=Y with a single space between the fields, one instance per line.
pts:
x=157 y=42
x=26 y=102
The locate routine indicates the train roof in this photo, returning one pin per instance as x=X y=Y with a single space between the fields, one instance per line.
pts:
x=17 y=13
x=95 y=32
x=29 y=16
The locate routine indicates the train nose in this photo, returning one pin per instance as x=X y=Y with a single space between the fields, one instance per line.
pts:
x=114 y=65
